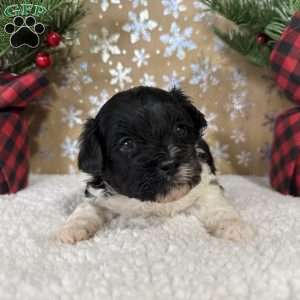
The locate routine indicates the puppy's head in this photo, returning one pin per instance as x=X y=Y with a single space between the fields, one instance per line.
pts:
x=145 y=143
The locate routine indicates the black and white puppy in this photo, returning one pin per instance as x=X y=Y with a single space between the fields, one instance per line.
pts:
x=146 y=156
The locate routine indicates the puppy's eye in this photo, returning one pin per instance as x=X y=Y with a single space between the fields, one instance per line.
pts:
x=127 y=145
x=181 y=131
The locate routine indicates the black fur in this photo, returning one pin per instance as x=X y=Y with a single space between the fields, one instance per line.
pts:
x=140 y=140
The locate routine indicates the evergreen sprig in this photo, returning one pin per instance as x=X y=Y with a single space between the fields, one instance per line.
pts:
x=245 y=44
x=62 y=16
x=253 y=17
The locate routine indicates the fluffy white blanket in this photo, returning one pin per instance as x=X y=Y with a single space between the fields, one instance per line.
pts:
x=147 y=259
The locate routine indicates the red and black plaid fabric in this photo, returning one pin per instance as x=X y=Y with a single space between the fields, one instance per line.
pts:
x=285 y=159
x=285 y=60
x=16 y=92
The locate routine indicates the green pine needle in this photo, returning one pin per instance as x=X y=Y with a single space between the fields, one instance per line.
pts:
x=246 y=45
x=253 y=17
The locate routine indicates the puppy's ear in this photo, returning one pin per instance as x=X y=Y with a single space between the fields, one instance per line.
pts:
x=195 y=114
x=90 y=158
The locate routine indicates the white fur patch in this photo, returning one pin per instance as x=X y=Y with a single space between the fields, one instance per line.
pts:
x=123 y=205
x=205 y=201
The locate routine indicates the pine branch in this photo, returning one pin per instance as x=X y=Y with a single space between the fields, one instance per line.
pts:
x=246 y=45
x=253 y=15
x=269 y=16
x=275 y=29
x=282 y=16
x=236 y=40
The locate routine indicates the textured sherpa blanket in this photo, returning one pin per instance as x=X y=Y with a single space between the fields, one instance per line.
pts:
x=147 y=259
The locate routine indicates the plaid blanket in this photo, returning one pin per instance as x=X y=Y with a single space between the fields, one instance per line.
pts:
x=285 y=60
x=16 y=92
x=285 y=162
x=285 y=156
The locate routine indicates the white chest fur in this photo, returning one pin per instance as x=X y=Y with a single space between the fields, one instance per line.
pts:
x=123 y=205
x=206 y=201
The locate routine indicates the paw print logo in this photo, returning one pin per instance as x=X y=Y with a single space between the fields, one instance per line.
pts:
x=24 y=32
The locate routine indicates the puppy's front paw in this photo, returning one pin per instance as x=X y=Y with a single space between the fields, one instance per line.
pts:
x=76 y=231
x=234 y=230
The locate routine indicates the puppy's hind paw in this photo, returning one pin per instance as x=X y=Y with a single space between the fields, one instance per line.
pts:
x=234 y=230
x=76 y=232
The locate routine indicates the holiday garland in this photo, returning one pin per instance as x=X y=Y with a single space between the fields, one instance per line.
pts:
x=259 y=24
x=59 y=18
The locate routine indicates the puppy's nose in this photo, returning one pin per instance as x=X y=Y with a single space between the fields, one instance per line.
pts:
x=168 y=166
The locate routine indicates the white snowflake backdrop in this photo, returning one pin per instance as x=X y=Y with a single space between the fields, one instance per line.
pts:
x=161 y=43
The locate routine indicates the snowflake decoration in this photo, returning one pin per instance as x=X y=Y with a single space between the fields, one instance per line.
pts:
x=238 y=105
x=244 y=158
x=140 y=57
x=265 y=151
x=71 y=40
x=65 y=75
x=46 y=101
x=173 y=7
x=218 y=45
x=178 y=41
x=97 y=102
x=204 y=75
x=220 y=152
x=71 y=116
x=148 y=80
x=77 y=77
x=172 y=80
x=106 y=44
x=136 y=3
x=45 y=154
x=83 y=73
x=104 y=4
x=139 y=26
x=42 y=131
x=201 y=15
x=210 y=118
x=238 y=78
x=270 y=119
x=70 y=148
x=238 y=136
x=120 y=75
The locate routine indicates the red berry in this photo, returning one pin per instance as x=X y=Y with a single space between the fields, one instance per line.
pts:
x=53 y=39
x=262 y=39
x=43 y=60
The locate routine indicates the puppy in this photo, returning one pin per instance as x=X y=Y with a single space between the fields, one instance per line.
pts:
x=146 y=156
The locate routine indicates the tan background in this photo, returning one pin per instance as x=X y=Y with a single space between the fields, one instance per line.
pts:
x=238 y=100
